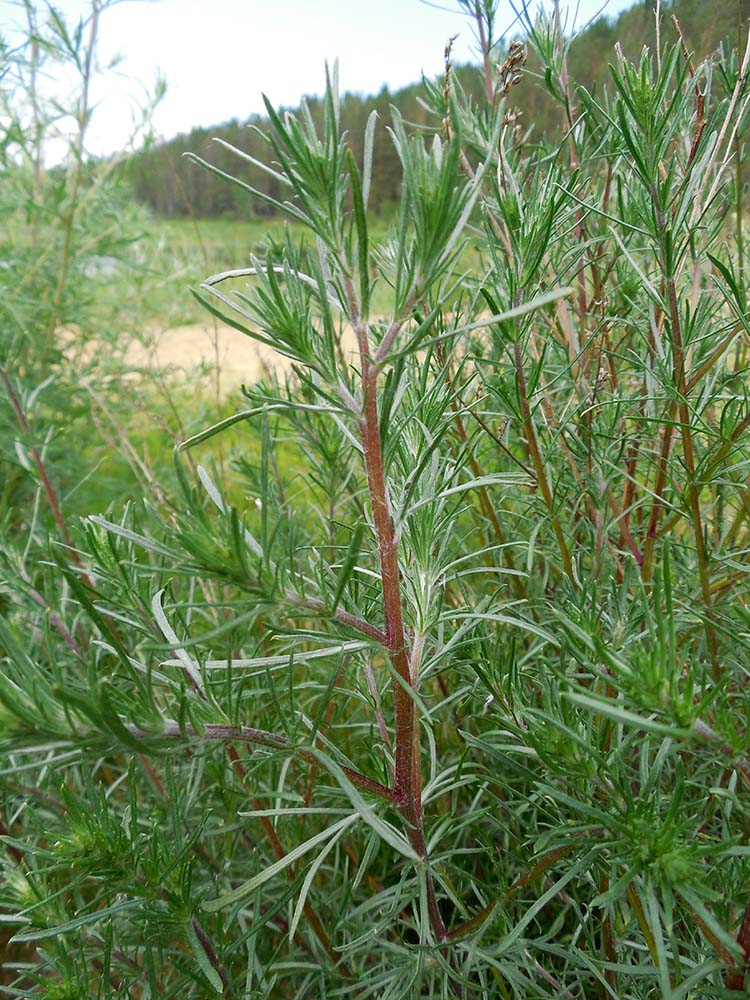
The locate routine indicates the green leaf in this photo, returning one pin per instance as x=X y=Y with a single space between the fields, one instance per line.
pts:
x=247 y=888
x=262 y=663
x=578 y=868
x=202 y=958
x=38 y=934
x=112 y=720
x=728 y=276
x=368 y=151
x=347 y=568
x=286 y=207
x=360 y=220
x=312 y=872
x=384 y=830
x=614 y=711
x=191 y=667
x=150 y=544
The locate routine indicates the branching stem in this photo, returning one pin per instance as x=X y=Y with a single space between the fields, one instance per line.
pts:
x=259 y=737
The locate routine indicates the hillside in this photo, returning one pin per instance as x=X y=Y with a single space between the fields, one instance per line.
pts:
x=172 y=186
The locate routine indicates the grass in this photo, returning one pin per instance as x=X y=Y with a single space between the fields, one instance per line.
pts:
x=178 y=254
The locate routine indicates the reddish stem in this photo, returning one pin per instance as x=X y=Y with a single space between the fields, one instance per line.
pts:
x=734 y=978
x=693 y=489
x=260 y=737
x=44 y=479
x=538 y=463
x=391 y=584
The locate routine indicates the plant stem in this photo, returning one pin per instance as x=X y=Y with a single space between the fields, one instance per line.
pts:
x=55 y=621
x=408 y=783
x=735 y=979
x=340 y=615
x=688 y=451
x=658 y=504
x=408 y=772
x=259 y=737
x=489 y=86
x=46 y=483
x=37 y=123
x=539 y=470
x=47 y=487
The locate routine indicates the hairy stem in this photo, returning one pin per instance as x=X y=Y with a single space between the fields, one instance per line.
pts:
x=408 y=773
x=259 y=737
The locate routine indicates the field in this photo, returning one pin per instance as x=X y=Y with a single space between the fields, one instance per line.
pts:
x=178 y=334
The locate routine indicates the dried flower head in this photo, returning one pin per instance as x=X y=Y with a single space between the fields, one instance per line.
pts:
x=509 y=72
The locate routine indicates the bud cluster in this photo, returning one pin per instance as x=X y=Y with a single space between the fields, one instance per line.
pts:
x=509 y=72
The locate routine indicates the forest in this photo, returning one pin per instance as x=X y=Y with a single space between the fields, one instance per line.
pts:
x=174 y=187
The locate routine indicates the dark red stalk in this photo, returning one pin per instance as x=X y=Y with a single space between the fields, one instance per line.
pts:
x=55 y=621
x=260 y=737
x=390 y=578
x=339 y=615
x=734 y=978
x=407 y=793
x=47 y=487
x=408 y=790
x=42 y=472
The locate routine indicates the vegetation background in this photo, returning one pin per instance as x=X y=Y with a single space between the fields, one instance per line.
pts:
x=423 y=673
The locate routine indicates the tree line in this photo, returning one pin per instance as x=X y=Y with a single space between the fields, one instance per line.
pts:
x=173 y=186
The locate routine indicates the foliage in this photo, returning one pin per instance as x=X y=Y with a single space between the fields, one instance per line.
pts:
x=452 y=701
x=85 y=277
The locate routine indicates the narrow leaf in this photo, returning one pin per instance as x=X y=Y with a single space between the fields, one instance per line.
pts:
x=247 y=888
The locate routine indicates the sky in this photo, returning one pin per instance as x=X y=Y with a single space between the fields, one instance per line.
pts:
x=219 y=56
